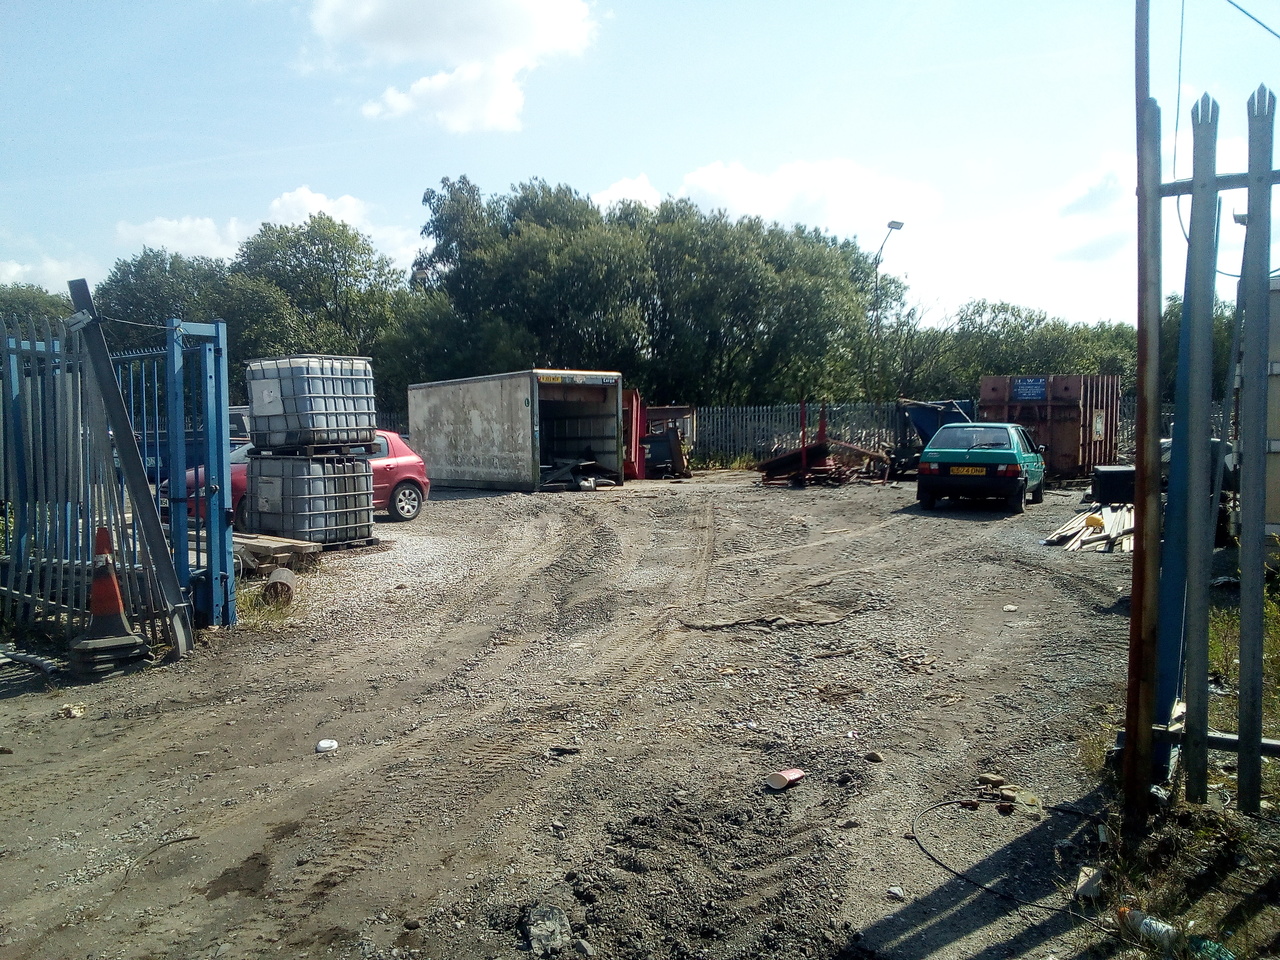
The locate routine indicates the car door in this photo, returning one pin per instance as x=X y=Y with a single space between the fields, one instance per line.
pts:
x=1034 y=461
x=383 y=466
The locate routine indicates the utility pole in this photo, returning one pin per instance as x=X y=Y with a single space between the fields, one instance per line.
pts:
x=1144 y=593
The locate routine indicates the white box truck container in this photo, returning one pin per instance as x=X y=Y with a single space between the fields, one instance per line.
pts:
x=499 y=432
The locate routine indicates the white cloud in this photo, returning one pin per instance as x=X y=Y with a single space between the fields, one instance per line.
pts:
x=1022 y=247
x=638 y=189
x=201 y=236
x=45 y=272
x=399 y=243
x=479 y=52
x=475 y=96
x=836 y=195
x=297 y=206
x=400 y=31
x=1068 y=249
x=190 y=236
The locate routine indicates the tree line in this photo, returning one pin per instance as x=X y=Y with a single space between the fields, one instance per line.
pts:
x=690 y=306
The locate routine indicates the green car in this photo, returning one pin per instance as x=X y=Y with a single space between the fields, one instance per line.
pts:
x=981 y=460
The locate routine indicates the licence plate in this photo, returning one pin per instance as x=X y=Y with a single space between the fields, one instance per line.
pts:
x=969 y=471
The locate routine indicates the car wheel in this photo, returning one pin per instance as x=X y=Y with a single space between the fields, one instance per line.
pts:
x=240 y=521
x=928 y=501
x=406 y=502
x=1037 y=495
x=1018 y=499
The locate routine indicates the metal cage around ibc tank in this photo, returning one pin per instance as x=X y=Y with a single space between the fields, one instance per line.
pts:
x=1076 y=418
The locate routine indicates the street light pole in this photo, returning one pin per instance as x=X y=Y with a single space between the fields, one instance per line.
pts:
x=875 y=313
x=875 y=301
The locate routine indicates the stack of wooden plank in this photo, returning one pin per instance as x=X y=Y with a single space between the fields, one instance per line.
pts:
x=261 y=554
x=1103 y=527
x=257 y=554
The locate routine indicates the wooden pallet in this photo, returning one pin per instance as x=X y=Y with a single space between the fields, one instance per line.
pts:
x=261 y=554
x=352 y=544
x=314 y=451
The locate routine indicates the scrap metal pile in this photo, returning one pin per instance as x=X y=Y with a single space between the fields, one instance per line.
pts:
x=828 y=463
x=825 y=462
x=573 y=474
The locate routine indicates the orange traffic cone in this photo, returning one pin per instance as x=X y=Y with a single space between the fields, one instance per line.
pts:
x=110 y=644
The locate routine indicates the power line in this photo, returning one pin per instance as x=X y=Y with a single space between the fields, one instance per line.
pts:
x=1177 y=115
x=1254 y=19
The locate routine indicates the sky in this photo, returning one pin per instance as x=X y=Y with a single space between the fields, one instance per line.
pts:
x=1000 y=133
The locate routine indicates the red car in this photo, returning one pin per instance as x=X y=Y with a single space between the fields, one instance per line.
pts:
x=400 y=483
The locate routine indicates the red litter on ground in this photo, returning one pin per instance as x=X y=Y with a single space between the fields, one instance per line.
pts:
x=783 y=778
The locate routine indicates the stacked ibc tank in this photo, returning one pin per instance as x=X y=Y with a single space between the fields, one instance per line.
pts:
x=312 y=421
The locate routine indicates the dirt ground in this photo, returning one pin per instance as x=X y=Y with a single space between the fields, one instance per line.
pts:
x=563 y=707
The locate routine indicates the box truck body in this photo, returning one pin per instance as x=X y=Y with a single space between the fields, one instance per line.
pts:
x=499 y=432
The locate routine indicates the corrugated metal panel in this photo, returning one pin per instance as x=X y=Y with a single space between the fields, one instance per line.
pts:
x=1076 y=418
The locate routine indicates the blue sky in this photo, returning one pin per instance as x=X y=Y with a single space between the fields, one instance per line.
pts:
x=1000 y=133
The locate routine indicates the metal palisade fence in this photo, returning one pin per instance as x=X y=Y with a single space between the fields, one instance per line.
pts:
x=60 y=483
x=729 y=434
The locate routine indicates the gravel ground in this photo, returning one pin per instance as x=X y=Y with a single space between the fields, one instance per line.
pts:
x=555 y=716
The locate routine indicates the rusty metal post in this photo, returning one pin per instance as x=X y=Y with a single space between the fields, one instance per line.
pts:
x=1144 y=595
x=804 y=440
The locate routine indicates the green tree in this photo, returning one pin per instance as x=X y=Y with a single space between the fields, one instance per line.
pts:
x=28 y=302
x=689 y=306
x=261 y=322
x=421 y=347
x=339 y=285
x=141 y=295
x=747 y=312
x=536 y=278
x=710 y=289
x=1171 y=331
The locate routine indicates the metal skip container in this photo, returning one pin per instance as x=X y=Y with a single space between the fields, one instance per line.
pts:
x=1076 y=418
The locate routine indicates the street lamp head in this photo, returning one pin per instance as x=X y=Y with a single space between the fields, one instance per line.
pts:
x=893 y=225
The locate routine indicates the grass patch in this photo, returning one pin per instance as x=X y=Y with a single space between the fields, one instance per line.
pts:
x=717 y=461
x=1224 y=678
x=255 y=612
x=1209 y=870
x=1210 y=873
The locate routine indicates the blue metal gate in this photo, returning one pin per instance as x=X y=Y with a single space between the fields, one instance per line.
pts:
x=178 y=403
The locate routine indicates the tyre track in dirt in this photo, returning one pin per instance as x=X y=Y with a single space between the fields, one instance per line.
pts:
x=474 y=759
x=476 y=752
x=472 y=756
x=595 y=624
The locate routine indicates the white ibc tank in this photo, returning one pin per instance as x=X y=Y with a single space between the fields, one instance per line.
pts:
x=318 y=499
x=310 y=401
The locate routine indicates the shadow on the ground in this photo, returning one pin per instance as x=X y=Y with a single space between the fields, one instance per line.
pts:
x=17 y=680
x=981 y=510
x=1038 y=867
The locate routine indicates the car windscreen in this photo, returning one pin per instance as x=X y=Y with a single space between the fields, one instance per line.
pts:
x=968 y=436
